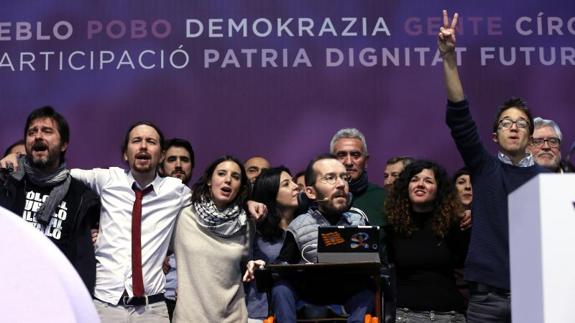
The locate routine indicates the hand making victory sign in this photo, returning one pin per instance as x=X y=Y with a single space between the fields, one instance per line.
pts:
x=446 y=46
x=446 y=39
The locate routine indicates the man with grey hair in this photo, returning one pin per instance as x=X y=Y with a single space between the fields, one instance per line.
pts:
x=350 y=147
x=545 y=146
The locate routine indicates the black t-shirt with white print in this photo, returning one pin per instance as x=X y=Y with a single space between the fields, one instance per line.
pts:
x=60 y=228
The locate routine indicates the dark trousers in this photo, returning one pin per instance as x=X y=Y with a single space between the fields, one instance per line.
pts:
x=488 y=304
x=357 y=300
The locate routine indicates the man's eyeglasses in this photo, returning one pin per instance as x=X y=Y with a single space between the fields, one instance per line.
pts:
x=507 y=123
x=331 y=179
x=552 y=142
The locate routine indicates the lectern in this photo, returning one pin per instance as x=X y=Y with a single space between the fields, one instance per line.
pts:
x=542 y=249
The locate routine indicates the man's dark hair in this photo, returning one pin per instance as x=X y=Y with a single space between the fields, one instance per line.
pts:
x=19 y=142
x=144 y=123
x=49 y=112
x=518 y=103
x=310 y=173
x=182 y=143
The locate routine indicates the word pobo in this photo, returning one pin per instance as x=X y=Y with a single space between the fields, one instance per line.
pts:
x=133 y=29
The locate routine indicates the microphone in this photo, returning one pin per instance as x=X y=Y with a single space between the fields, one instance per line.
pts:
x=8 y=170
x=325 y=199
x=304 y=202
x=348 y=199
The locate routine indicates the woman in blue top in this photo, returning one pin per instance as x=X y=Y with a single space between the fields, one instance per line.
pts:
x=275 y=188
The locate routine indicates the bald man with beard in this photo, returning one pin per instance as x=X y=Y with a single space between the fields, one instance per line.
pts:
x=254 y=167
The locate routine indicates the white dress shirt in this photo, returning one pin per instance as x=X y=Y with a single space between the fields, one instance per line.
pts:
x=160 y=208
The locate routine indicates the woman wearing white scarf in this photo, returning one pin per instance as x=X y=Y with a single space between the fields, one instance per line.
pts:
x=211 y=243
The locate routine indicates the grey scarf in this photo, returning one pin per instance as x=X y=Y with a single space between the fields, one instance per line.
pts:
x=224 y=223
x=59 y=180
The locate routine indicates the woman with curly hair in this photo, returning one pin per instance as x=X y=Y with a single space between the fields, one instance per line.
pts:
x=425 y=243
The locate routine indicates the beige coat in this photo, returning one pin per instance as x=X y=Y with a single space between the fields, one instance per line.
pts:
x=209 y=274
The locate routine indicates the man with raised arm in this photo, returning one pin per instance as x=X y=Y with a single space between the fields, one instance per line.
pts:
x=494 y=177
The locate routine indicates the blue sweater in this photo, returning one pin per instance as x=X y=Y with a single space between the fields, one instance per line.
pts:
x=492 y=180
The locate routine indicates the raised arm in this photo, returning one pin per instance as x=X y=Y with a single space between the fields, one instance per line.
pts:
x=446 y=44
x=457 y=115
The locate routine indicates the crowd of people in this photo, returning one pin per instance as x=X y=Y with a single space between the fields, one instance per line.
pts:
x=149 y=248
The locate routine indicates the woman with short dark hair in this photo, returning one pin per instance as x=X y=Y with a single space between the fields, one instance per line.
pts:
x=275 y=188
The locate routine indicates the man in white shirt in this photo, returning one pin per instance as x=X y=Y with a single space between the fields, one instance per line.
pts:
x=120 y=294
x=115 y=294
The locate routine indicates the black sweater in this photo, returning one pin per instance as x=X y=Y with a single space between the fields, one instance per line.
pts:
x=424 y=266
x=492 y=180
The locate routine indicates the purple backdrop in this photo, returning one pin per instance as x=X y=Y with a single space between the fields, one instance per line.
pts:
x=106 y=65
